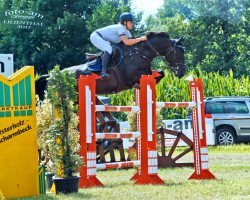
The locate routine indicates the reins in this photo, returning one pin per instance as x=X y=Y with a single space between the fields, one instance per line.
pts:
x=139 y=50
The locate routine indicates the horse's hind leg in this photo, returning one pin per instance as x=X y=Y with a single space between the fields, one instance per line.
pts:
x=41 y=86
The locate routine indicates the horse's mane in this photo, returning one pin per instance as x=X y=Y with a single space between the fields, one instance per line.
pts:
x=149 y=36
x=155 y=34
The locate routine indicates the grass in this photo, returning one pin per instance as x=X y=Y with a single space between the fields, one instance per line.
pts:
x=230 y=164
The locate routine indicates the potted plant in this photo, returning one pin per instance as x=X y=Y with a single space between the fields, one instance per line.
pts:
x=63 y=133
x=44 y=119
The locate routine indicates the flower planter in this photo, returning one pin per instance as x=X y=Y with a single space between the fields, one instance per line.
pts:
x=66 y=185
x=49 y=180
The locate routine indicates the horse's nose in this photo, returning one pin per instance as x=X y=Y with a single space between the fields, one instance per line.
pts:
x=181 y=70
x=161 y=72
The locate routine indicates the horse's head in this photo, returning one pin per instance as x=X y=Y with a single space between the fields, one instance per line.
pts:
x=171 y=49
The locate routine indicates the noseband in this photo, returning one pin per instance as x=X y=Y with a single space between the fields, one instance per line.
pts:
x=172 y=50
x=173 y=67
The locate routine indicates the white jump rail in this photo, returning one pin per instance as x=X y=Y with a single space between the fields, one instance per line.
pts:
x=118 y=165
x=176 y=104
x=117 y=135
x=104 y=108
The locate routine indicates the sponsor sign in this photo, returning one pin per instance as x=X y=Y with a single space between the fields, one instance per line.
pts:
x=6 y=65
x=185 y=126
x=124 y=126
x=18 y=135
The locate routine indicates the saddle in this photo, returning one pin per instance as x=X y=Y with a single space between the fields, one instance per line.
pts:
x=94 y=63
x=93 y=56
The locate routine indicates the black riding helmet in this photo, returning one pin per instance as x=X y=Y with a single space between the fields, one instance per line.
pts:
x=126 y=17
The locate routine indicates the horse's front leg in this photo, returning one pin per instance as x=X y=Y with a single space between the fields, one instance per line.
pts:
x=140 y=72
x=136 y=76
x=161 y=76
x=136 y=86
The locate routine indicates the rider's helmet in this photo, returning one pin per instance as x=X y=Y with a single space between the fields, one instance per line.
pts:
x=126 y=17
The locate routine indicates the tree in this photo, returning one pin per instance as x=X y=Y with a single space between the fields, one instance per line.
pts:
x=65 y=37
x=63 y=40
x=217 y=32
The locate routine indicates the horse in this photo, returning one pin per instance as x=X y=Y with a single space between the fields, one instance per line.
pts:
x=134 y=62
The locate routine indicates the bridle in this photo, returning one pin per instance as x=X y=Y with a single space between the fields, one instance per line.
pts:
x=171 y=51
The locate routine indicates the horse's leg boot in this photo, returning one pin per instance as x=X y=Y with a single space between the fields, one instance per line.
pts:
x=105 y=62
x=136 y=86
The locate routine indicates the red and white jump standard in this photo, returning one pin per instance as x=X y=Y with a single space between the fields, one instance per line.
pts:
x=199 y=130
x=87 y=113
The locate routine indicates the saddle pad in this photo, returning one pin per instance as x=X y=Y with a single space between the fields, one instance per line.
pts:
x=95 y=65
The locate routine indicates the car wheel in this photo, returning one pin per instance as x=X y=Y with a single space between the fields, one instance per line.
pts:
x=225 y=136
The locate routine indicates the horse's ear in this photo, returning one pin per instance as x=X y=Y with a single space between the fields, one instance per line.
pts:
x=180 y=40
x=149 y=34
x=167 y=34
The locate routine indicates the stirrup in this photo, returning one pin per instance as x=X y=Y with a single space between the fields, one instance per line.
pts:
x=105 y=76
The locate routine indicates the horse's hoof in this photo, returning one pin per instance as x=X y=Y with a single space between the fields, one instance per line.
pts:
x=105 y=76
x=136 y=86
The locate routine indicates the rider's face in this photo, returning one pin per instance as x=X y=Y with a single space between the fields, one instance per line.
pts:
x=130 y=25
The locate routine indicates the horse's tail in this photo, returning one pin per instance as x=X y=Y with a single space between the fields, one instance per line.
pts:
x=41 y=86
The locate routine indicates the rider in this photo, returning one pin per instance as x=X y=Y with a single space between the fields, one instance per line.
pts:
x=116 y=33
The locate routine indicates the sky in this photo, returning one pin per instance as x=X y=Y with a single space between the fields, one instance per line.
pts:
x=149 y=7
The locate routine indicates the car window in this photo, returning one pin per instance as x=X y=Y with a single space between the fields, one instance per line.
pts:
x=237 y=107
x=214 y=107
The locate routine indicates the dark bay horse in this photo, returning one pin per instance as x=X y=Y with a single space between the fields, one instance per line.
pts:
x=136 y=61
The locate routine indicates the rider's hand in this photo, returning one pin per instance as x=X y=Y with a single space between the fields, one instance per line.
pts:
x=143 y=38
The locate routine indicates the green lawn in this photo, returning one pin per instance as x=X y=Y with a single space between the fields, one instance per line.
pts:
x=230 y=164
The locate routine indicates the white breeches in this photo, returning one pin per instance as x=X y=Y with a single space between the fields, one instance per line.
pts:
x=100 y=43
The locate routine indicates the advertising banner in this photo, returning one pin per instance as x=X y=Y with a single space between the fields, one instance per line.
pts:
x=6 y=65
x=18 y=135
x=185 y=126
x=181 y=125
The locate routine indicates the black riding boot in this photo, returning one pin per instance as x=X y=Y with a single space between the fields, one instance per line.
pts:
x=105 y=62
